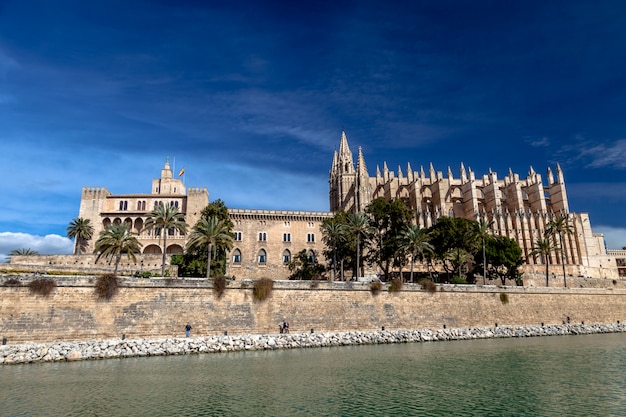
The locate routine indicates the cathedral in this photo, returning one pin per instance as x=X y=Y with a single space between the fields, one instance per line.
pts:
x=520 y=208
x=266 y=240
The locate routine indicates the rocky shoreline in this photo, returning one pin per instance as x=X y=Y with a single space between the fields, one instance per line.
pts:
x=119 y=348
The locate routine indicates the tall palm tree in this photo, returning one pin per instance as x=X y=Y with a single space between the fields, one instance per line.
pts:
x=359 y=226
x=81 y=231
x=165 y=218
x=210 y=232
x=116 y=240
x=333 y=231
x=544 y=247
x=415 y=241
x=560 y=226
x=482 y=231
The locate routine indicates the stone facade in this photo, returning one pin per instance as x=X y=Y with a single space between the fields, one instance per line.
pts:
x=265 y=240
x=520 y=208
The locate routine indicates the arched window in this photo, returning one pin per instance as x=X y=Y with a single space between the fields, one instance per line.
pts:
x=286 y=256
x=311 y=256
x=236 y=256
x=262 y=257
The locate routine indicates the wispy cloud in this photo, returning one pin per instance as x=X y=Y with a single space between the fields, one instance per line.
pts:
x=538 y=142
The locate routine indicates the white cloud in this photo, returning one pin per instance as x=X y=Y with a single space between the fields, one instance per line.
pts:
x=615 y=237
x=45 y=245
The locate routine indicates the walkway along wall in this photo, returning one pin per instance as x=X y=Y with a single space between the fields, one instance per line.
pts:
x=160 y=308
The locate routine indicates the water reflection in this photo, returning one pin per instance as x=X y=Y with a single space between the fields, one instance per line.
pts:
x=567 y=375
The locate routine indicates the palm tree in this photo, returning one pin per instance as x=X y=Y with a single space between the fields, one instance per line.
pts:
x=333 y=231
x=415 y=241
x=359 y=226
x=544 y=247
x=560 y=226
x=116 y=240
x=211 y=232
x=458 y=257
x=81 y=230
x=482 y=231
x=165 y=218
x=23 y=252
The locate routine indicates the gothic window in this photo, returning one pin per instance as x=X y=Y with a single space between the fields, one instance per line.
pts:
x=287 y=224
x=237 y=236
x=310 y=237
x=262 y=256
x=123 y=205
x=286 y=256
x=236 y=256
x=311 y=256
x=262 y=236
x=170 y=231
x=286 y=237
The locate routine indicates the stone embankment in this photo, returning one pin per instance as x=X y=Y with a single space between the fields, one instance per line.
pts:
x=119 y=348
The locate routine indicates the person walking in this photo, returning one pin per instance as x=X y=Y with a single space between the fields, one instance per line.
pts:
x=187 y=329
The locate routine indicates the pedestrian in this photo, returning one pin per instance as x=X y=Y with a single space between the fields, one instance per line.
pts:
x=188 y=329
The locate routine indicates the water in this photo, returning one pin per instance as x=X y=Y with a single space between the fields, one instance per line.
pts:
x=548 y=376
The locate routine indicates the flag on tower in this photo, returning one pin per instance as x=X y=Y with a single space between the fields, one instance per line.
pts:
x=182 y=171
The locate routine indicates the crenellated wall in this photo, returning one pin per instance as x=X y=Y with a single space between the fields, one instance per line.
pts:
x=160 y=308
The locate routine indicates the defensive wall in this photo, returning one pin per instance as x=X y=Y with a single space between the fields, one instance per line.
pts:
x=150 y=308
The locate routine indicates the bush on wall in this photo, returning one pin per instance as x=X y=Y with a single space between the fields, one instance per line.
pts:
x=42 y=286
x=262 y=289
x=106 y=286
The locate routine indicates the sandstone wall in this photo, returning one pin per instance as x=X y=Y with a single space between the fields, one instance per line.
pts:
x=160 y=308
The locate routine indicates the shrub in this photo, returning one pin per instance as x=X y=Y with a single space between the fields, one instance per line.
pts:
x=504 y=298
x=11 y=282
x=375 y=287
x=106 y=286
x=262 y=289
x=42 y=286
x=429 y=285
x=219 y=285
x=395 y=285
x=458 y=280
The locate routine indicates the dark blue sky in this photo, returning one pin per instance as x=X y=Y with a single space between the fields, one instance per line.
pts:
x=251 y=97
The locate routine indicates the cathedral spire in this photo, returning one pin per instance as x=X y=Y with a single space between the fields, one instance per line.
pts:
x=360 y=164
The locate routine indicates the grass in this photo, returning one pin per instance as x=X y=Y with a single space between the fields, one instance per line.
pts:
x=106 y=286
x=395 y=285
x=262 y=289
x=42 y=286
x=219 y=285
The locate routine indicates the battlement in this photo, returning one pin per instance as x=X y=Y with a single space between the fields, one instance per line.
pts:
x=95 y=192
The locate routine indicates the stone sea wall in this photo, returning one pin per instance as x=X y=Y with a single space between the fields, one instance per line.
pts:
x=158 y=308
x=124 y=348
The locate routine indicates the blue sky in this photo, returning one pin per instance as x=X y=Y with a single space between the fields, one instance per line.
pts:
x=251 y=98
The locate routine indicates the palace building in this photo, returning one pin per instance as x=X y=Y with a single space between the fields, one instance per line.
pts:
x=266 y=240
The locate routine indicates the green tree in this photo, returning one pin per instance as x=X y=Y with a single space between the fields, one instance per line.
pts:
x=544 y=247
x=209 y=233
x=414 y=240
x=359 y=227
x=450 y=233
x=560 y=226
x=333 y=232
x=388 y=219
x=116 y=240
x=305 y=267
x=81 y=231
x=505 y=258
x=165 y=219
x=482 y=231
